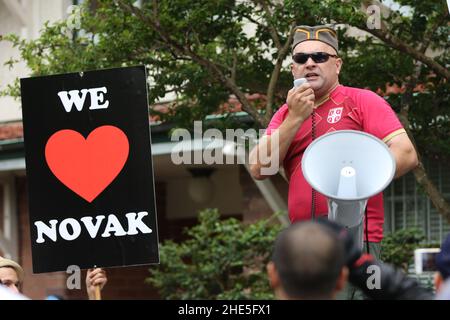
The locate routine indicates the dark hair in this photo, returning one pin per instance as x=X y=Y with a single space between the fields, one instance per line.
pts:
x=308 y=258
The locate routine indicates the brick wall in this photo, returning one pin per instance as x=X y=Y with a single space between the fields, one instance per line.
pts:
x=123 y=283
x=36 y=286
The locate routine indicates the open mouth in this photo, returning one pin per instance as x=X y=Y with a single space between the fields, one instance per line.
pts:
x=311 y=76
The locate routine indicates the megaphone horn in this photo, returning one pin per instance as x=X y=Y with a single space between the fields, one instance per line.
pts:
x=348 y=167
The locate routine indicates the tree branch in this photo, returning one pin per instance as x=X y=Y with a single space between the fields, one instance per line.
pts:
x=384 y=35
x=273 y=32
x=428 y=35
x=398 y=44
x=282 y=53
x=250 y=18
x=234 y=67
x=212 y=67
x=420 y=173
x=155 y=10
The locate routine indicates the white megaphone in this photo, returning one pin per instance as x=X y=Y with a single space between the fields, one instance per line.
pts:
x=348 y=167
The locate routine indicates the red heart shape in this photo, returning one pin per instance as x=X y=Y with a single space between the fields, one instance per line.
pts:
x=87 y=166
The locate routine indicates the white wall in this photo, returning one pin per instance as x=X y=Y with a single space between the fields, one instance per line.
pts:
x=36 y=13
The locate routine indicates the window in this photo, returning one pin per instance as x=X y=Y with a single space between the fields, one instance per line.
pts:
x=8 y=218
x=407 y=206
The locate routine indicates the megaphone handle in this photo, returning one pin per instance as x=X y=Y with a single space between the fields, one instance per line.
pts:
x=313 y=204
x=367 y=229
x=313 y=193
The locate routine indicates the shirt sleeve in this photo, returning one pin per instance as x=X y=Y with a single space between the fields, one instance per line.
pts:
x=277 y=119
x=378 y=118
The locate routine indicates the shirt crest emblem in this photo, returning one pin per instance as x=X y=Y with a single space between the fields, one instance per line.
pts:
x=334 y=115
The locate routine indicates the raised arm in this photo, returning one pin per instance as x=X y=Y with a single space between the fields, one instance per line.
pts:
x=404 y=154
x=272 y=148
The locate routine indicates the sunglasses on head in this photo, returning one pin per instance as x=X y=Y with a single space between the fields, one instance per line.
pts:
x=317 y=57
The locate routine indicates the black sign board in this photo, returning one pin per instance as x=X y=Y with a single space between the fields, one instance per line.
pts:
x=89 y=169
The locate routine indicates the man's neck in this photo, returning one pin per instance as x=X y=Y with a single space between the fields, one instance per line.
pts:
x=322 y=98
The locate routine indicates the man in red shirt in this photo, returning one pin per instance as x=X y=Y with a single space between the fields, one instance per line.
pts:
x=331 y=106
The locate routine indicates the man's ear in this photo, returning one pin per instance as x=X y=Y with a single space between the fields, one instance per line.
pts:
x=339 y=63
x=293 y=70
x=342 y=279
x=272 y=274
x=438 y=280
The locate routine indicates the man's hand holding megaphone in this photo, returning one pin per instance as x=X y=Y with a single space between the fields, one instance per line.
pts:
x=300 y=101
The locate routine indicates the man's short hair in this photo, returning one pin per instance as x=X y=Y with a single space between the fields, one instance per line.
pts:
x=309 y=258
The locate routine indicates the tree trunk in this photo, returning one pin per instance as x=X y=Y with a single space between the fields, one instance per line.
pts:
x=433 y=193
x=439 y=202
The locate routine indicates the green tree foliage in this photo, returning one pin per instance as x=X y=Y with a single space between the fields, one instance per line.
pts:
x=398 y=247
x=220 y=259
x=204 y=51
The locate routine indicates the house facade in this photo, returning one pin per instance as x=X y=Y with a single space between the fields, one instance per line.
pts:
x=181 y=190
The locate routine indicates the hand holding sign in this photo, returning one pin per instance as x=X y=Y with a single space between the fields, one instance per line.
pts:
x=95 y=281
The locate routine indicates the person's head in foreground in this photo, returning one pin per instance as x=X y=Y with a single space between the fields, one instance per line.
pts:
x=11 y=274
x=443 y=266
x=308 y=262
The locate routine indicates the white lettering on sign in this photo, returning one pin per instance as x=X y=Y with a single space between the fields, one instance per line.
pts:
x=92 y=228
x=70 y=229
x=135 y=223
x=72 y=97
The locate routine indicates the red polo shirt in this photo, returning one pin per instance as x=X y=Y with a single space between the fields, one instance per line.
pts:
x=346 y=109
